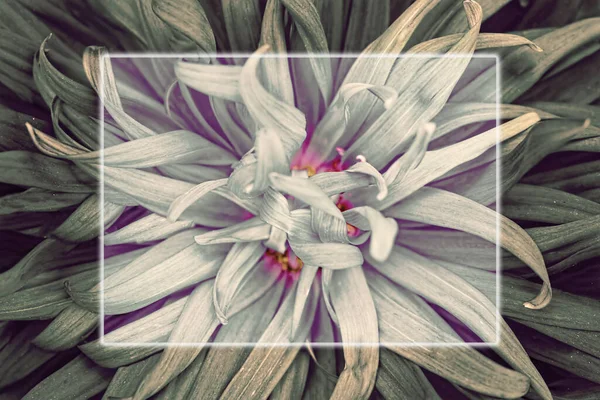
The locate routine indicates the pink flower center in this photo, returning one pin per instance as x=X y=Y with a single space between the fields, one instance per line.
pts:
x=286 y=261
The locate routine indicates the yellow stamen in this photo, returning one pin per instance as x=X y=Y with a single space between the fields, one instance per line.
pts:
x=310 y=170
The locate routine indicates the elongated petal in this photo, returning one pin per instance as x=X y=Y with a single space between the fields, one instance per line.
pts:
x=460 y=364
x=338 y=182
x=126 y=379
x=93 y=58
x=185 y=200
x=146 y=229
x=188 y=18
x=412 y=158
x=307 y=21
x=305 y=285
x=247 y=231
x=189 y=266
x=327 y=255
x=156 y=193
x=367 y=169
x=397 y=376
x=538 y=203
x=84 y=223
x=267 y=110
x=523 y=67
x=438 y=162
x=68 y=329
x=16 y=277
x=423 y=277
x=36 y=170
x=167 y=148
x=265 y=366
x=240 y=260
x=306 y=191
x=37 y=200
x=294 y=379
x=196 y=324
x=270 y=158
x=277 y=69
x=242 y=22
x=357 y=318
x=143 y=330
x=566 y=310
x=484 y=41
x=445 y=211
x=80 y=378
x=42 y=302
x=19 y=357
x=379 y=143
x=247 y=327
x=220 y=81
x=383 y=230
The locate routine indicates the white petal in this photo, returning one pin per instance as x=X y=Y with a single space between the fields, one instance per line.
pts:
x=184 y=201
x=306 y=191
x=240 y=260
x=383 y=230
x=251 y=230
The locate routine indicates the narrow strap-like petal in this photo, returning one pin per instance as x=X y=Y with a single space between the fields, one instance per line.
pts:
x=357 y=319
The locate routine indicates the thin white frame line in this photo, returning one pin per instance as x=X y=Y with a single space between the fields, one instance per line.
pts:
x=498 y=204
x=303 y=344
x=295 y=55
x=101 y=333
x=486 y=345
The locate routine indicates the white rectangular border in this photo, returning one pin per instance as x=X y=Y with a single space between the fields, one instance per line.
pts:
x=304 y=344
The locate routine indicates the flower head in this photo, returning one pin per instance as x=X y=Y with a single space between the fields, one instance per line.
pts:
x=289 y=202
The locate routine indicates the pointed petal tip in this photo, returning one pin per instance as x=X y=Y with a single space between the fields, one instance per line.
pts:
x=541 y=300
x=383 y=192
x=536 y=48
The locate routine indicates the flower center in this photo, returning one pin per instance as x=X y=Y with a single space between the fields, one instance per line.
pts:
x=344 y=204
x=286 y=261
x=305 y=160
x=310 y=170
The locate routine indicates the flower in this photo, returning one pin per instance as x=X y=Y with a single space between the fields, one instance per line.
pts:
x=271 y=200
